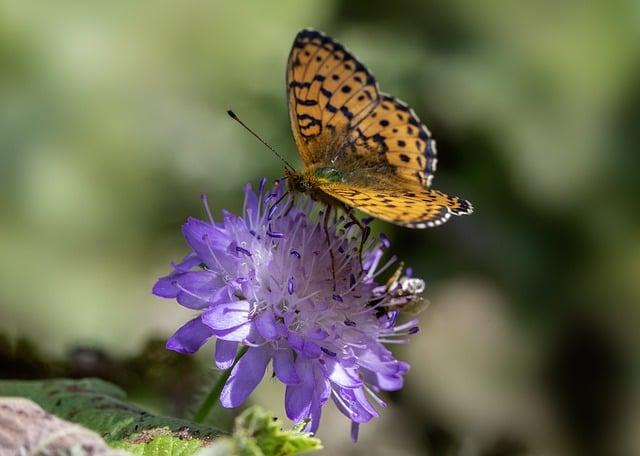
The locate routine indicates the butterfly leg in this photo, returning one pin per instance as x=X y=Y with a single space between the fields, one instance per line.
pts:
x=364 y=230
x=291 y=204
x=280 y=199
x=327 y=215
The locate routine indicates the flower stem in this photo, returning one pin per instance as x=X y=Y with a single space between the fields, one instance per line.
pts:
x=214 y=395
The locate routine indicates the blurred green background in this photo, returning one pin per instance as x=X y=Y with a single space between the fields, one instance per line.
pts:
x=112 y=121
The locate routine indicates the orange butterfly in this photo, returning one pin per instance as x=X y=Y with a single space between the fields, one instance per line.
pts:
x=361 y=148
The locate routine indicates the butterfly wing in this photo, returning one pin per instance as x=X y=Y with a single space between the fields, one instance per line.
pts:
x=329 y=92
x=336 y=108
x=410 y=206
x=394 y=134
x=378 y=144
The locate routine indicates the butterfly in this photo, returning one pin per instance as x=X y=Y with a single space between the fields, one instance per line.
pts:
x=361 y=148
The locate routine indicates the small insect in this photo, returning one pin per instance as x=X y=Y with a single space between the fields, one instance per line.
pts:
x=407 y=293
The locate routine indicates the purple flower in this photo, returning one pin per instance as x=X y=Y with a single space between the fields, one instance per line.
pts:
x=264 y=280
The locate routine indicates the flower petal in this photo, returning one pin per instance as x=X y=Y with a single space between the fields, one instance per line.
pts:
x=299 y=398
x=284 y=367
x=198 y=288
x=190 y=337
x=321 y=395
x=189 y=261
x=353 y=404
x=303 y=346
x=318 y=334
x=379 y=359
x=245 y=376
x=205 y=238
x=165 y=287
x=339 y=374
x=361 y=397
x=194 y=229
x=315 y=413
x=225 y=353
x=200 y=281
x=194 y=289
x=311 y=349
x=384 y=381
x=266 y=325
x=355 y=429
x=389 y=382
x=227 y=316
x=295 y=341
x=237 y=334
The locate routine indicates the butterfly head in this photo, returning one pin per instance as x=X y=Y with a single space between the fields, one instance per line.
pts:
x=297 y=181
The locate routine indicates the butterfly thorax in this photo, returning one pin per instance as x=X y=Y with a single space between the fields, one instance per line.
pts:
x=311 y=179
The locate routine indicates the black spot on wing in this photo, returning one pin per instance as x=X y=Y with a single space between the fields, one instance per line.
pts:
x=308 y=102
x=348 y=114
x=325 y=92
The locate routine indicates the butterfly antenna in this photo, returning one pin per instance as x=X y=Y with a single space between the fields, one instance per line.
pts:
x=235 y=117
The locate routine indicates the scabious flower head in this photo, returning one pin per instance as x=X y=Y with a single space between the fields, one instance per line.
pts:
x=265 y=280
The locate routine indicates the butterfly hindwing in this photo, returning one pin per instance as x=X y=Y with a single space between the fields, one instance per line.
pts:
x=410 y=206
x=394 y=131
x=329 y=92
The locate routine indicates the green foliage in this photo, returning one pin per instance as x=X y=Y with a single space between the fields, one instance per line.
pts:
x=257 y=425
x=101 y=406
x=257 y=433
x=160 y=445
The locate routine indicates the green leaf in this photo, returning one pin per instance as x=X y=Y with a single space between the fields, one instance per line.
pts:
x=160 y=445
x=257 y=433
x=100 y=406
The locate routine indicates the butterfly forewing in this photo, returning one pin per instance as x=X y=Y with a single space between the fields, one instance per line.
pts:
x=329 y=92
